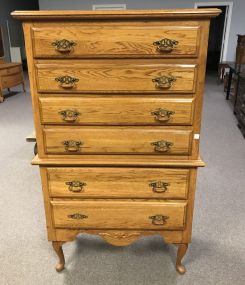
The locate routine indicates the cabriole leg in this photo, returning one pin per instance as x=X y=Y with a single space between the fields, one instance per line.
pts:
x=182 y=248
x=57 y=245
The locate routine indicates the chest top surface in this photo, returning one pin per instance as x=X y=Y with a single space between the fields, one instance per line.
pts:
x=115 y=14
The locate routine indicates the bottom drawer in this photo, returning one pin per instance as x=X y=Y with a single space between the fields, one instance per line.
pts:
x=119 y=214
x=11 y=80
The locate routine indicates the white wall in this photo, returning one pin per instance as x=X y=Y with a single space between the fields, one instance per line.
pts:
x=237 y=21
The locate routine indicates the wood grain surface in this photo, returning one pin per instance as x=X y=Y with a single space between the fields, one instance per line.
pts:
x=115 y=76
x=105 y=160
x=11 y=68
x=124 y=110
x=133 y=39
x=105 y=186
x=12 y=80
x=118 y=214
x=118 y=182
x=162 y=14
x=115 y=140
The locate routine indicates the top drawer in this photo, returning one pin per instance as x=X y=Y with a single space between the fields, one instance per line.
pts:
x=122 y=39
x=11 y=70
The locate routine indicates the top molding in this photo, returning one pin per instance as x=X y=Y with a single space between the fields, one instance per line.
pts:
x=115 y=14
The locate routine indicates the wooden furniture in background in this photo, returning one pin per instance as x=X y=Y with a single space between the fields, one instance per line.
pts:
x=239 y=106
x=240 y=49
x=117 y=99
x=234 y=86
x=11 y=74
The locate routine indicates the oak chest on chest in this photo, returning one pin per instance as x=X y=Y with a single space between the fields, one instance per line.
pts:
x=117 y=99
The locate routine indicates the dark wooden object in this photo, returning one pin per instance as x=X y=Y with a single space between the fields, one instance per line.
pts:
x=240 y=49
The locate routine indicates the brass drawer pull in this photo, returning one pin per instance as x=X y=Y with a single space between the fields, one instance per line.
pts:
x=159 y=220
x=77 y=216
x=162 y=115
x=72 y=146
x=66 y=81
x=165 y=45
x=69 y=115
x=159 y=186
x=76 y=186
x=164 y=81
x=64 y=46
x=162 y=146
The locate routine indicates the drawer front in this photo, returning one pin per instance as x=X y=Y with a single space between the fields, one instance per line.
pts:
x=116 y=76
x=141 y=39
x=116 y=111
x=119 y=214
x=118 y=182
x=117 y=140
x=11 y=80
x=10 y=70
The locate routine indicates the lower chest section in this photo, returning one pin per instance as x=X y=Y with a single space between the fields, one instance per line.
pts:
x=123 y=198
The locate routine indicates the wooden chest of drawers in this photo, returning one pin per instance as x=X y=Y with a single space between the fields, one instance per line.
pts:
x=117 y=99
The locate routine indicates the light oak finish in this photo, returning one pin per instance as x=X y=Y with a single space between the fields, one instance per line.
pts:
x=173 y=14
x=115 y=140
x=119 y=161
x=118 y=214
x=121 y=110
x=107 y=86
x=124 y=182
x=57 y=246
x=117 y=39
x=182 y=248
x=121 y=237
x=114 y=76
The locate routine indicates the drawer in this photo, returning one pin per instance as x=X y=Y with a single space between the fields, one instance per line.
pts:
x=124 y=110
x=11 y=80
x=156 y=183
x=10 y=70
x=144 y=76
x=116 y=39
x=117 y=140
x=119 y=214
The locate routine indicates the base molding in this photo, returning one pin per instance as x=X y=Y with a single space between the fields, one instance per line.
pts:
x=120 y=238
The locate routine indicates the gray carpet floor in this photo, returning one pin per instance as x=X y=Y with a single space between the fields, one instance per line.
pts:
x=216 y=255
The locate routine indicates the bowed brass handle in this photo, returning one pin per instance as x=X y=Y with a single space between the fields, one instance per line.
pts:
x=159 y=220
x=162 y=146
x=72 y=146
x=165 y=45
x=69 y=115
x=164 y=81
x=159 y=186
x=64 y=46
x=162 y=115
x=66 y=81
x=77 y=216
x=76 y=186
